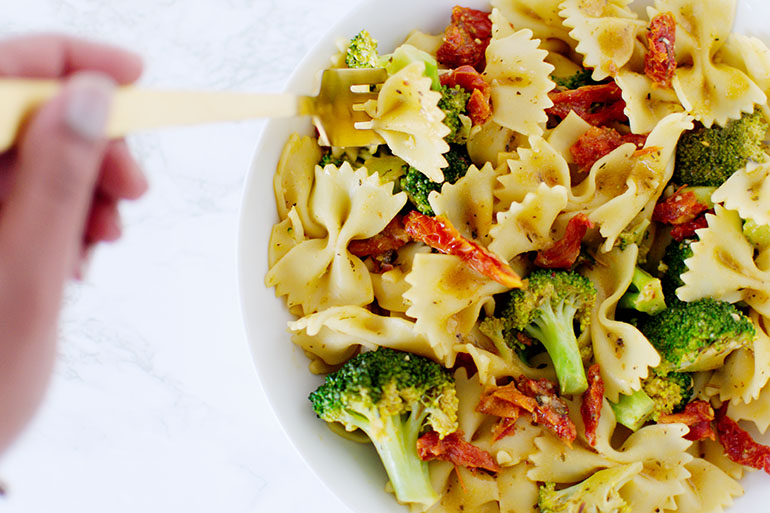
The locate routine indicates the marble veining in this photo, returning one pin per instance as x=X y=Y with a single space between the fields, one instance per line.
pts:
x=154 y=404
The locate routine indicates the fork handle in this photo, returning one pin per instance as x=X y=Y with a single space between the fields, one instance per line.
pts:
x=135 y=108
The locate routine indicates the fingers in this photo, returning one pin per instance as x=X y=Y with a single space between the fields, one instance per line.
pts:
x=44 y=215
x=121 y=176
x=51 y=56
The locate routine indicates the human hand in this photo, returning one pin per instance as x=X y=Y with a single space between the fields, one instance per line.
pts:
x=59 y=194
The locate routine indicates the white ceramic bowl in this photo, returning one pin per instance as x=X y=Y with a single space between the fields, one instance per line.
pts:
x=350 y=470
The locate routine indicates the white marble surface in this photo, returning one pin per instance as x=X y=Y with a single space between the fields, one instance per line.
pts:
x=154 y=405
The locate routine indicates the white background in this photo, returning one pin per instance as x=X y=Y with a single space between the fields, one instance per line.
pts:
x=155 y=405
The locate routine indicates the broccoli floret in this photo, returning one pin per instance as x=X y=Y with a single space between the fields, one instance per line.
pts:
x=671 y=392
x=697 y=336
x=645 y=294
x=548 y=310
x=661 y=394
x=757 y=234
x=392 y=396
x=453 y=103
x=418 y=186
x=579 y=79
x=597 y=494
x=327 y=158
x=709 y=156
x=362 y=51
x=672 y=266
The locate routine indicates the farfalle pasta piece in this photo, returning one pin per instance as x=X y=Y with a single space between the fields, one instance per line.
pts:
x=539 y=164
x=284 y=236
x=646 y=105
x=607 y=32
x=336 y=333
x=540 y=16
x=469 y=203
x=757 y=411
x=752 y=56
x=517 y=493
x=648 y=176
x=564 y=135
x=446 y=297
x=492 y=367
x=293 y=181
x=468 y=491
x=390 y=286
x=707 y=489
x=622 y=352
x=513 y=448
x=320 y=272
x=660 y=448
x=713 y=92
x=526 y=226
x=747 y=192
x=408 y=118
x=607 y=179
x=745 y=371
x=520 y=82
x=722 y=265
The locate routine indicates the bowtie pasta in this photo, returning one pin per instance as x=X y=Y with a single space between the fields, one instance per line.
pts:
x=568 y=224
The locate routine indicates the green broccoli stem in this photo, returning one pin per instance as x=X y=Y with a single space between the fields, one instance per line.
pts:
x=645 y=293
x=633 y=410
x=554 y=329
x=396 y=443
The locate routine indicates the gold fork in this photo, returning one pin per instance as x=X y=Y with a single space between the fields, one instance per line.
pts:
x=337 y=110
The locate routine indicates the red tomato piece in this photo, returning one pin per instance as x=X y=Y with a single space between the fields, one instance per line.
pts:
x=697 y=415
x=438 y=233
x=454 y=449
x=465 y=39
x=597 y=142
x=593 y=399
x=564 y=252
x=738 y=444
x=679 y=208
x=660 y=60
x=598 y=105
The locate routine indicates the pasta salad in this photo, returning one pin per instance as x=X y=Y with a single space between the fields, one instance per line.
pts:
x=546 y=289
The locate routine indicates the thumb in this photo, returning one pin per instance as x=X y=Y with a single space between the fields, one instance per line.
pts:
x=58 y=163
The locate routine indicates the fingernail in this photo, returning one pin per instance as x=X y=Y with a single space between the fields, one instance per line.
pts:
x=89 y=96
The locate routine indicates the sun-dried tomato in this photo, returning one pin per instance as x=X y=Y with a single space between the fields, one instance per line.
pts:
x=738 y=444
x=597 y=142
x=551 y=411
x=679 y=208
x=565 y=251
x=697 y=415
x=505 y=401
x=525 y=396
x=438 y=233
x=660 y=61
x=479 y=106
x=506 y=426
x=456 y=450
x=465 y=39
x=687 y=230
x=598 y=105
x=593 y=399
x=392 y=237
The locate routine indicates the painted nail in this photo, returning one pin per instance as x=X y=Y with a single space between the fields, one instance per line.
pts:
x=88 y=104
